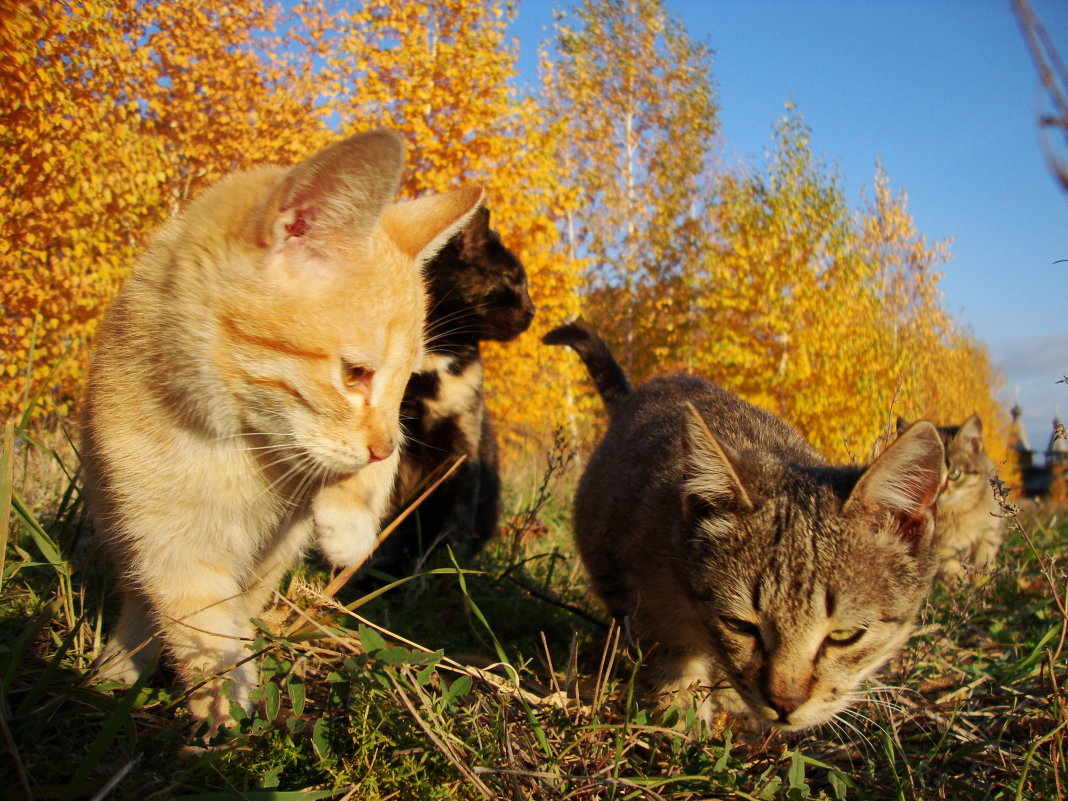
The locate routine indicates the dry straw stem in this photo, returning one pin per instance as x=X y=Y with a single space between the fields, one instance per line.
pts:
x=450 y=745
x=1050 y=667
x=508 y=686
x=343 y=577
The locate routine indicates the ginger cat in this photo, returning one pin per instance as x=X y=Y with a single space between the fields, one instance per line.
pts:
x=247 y=379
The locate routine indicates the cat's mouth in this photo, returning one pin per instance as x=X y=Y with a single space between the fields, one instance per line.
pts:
x=796 y=720
x=506 y=330
x=787 y=716
x=339 y=468
x=299 y=461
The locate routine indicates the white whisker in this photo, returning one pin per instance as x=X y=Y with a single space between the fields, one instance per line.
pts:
x=848 y=727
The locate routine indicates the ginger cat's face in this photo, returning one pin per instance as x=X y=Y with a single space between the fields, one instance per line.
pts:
x=321 y=323
x=327 y=383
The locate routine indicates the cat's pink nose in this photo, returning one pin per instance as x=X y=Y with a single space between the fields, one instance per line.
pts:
x=785 y=705
x=380 y=453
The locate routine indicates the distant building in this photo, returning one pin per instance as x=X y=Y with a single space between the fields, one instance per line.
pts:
x=1018 y=442
x=1057 y=463
x=1049 y=480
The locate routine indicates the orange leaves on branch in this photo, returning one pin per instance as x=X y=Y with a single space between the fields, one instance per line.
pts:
x=603 y=182
x=443 y=73
x=829 y=317
x=636 y=95
x=114 y=112
x=125 y=109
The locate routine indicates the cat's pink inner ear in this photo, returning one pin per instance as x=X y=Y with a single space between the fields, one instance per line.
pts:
x=336 y=195
x=709 y=472
x=297 y=223
x=904 y=481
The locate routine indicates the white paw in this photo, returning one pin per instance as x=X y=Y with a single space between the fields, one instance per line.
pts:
x=116 y=665
x=119 y=663
x=346 y=535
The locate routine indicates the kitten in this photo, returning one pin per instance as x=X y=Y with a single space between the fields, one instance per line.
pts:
x=971 y=525
x=233 y=394
x=477 y=291
x=742 y=562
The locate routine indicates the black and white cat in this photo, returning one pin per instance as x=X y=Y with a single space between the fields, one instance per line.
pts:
x=477 y=291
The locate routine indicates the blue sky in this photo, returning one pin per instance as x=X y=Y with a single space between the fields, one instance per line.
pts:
x=944 y=94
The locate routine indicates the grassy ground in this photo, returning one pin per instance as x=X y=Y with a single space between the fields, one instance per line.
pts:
x=502 y=682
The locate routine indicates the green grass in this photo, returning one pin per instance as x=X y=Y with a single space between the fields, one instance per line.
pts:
x=500 y=681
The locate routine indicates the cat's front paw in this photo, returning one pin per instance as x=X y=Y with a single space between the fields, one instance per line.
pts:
x=119 y=662
x=347 y=534
x=951 y=570
x=348 y=514
x=211 y=702
x=116 y=664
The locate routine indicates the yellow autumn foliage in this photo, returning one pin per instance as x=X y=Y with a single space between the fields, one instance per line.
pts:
x=601 y=179
x=443 y=74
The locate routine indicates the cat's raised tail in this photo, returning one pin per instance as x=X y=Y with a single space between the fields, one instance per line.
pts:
x=605 y=371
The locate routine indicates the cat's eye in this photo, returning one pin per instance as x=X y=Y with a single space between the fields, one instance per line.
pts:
x=845 y=636
x=954 y=474
x=357 y=376
x=739 y=626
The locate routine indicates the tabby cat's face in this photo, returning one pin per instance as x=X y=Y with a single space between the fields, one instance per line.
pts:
x=802 y=601
x=477 y=287
x=968 y=466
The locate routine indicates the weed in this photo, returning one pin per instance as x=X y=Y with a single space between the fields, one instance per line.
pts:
x=501 y=679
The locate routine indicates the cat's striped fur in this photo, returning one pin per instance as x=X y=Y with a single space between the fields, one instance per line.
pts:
x=750 y=571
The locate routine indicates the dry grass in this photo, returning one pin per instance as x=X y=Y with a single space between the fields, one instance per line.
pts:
x=503 y=683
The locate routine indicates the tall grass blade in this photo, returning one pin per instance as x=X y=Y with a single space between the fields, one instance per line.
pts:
x=30 y=358
x=51 y=669
x=536 y=727
x=303 y=630
x=1029 y=759
x=119 y=717
x=48 y=548
x=7 y=476
x=29 y=402
x=10 y=661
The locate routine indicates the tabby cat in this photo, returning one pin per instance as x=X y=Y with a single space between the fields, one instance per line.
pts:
x=478 y=292
x=971 y=524
x=233 y=396
x=749 y=570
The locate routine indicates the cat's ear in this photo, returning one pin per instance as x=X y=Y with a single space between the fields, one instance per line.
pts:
x=970 y=434
x=904 y=483
x=475 y=236
x=334 y=196
x=902 y=424
x=420 y=227
x=709 y=474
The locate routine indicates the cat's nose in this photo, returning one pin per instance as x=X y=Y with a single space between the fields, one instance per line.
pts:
x=785 y=705
x=380 y=452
